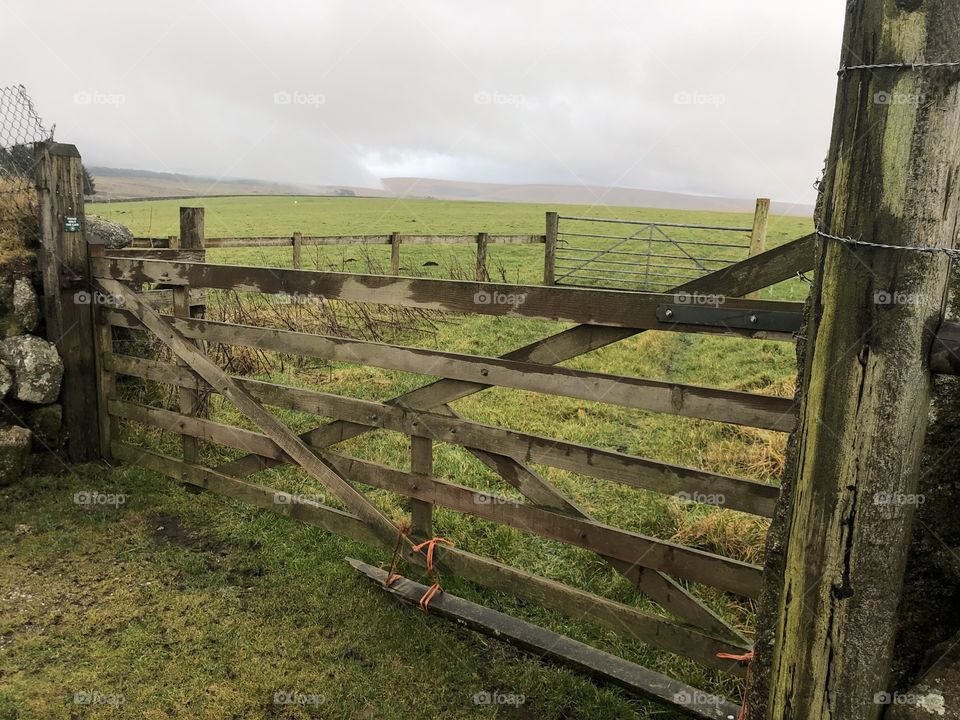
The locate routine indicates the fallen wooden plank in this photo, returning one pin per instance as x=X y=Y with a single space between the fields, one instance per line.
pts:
x=601 y=666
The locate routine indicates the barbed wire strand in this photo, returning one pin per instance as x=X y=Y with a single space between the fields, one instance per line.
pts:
x=949 y=252
x=896 y=66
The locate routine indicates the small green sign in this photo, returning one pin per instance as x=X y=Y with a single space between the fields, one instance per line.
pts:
x=71 y=223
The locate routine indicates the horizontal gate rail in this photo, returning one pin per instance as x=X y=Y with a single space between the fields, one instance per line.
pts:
x=739 y=494
x=731 y=406
x=596 y=307
x=697 y=565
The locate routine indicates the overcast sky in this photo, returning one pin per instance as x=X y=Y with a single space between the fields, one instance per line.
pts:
x=725 y=98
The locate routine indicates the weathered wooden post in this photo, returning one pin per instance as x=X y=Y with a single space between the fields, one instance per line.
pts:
x=421 y=461
x=550 y=249
x=395 y=253
x=891 y=179
x=482 y=240
x=758 y=236
x=297 y=247
x=191 y=238
x=68 y=303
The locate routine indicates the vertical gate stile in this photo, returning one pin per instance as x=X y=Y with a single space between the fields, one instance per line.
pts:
x=191 y=238
x=421 y=462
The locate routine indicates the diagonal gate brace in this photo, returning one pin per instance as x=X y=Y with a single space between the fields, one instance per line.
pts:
x=285 y=438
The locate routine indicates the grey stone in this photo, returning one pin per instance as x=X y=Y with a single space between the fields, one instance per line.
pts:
x=106 y=232
x=15 y=444
x=36 y=366
x=25 y=305
x=936 y=694
x=46 y=422
x=6 y=381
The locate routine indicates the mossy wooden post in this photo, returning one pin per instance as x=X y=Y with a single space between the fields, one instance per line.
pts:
x=297 y=247
x=109 y=425
x=191 y=238
x=550 y=249
x=892 y=177
x=482 y=240
x=395 y=253
x=758 y=236
x=421 y=462
x=68 y=302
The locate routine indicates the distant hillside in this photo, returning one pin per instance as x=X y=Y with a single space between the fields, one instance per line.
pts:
x=579 y=195
x=126 y=184
x=123 y=184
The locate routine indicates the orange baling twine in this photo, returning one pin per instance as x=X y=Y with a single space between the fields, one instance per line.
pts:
x=432 y=591
x=743 y=660
x=393 y=575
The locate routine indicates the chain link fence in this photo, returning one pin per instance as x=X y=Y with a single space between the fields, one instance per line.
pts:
x=20 y=127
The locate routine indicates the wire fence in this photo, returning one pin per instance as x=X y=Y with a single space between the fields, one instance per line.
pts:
x=20 y=128
x=643 y=255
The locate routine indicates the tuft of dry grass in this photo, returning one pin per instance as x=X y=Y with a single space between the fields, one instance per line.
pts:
x=19 y=222
x=724 y=532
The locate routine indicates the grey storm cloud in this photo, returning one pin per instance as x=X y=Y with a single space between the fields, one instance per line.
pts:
x=731 y=98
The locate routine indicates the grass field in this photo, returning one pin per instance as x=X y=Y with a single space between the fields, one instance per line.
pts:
x=191 y=606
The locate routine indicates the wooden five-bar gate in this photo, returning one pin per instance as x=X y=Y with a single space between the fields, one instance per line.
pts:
x=659 y=569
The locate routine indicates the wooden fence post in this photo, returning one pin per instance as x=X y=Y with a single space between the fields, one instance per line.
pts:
x=191 y=238
x=482 y=240
x=421 y=511
x=68 y=302
x=395 y=253
x=297 y=245
x=550 y=249
x=758 y=236
x=865 y=383
x=109 y=425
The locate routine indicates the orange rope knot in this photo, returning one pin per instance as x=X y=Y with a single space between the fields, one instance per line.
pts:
x=743 y=660
x=430 y=545
x=434 y=589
